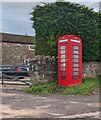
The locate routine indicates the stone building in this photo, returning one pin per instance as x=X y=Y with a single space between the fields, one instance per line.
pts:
x=16 y=48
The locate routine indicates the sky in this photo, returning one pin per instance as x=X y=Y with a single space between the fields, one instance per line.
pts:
x=15 y=15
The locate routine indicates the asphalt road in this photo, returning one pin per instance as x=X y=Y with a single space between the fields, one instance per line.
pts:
x=17 y=104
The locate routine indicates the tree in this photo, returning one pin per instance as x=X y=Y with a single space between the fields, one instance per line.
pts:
x=55 y=19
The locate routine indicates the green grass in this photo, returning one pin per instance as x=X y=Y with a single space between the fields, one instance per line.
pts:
x=41 y=89
x=86 y=88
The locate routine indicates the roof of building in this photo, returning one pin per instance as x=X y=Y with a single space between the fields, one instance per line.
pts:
x=14 y=38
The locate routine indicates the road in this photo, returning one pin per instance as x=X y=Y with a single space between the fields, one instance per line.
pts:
x=17 y=104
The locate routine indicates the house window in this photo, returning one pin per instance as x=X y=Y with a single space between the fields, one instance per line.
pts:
x=31 y=47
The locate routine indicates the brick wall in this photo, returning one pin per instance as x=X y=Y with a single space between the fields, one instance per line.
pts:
x=13 y=53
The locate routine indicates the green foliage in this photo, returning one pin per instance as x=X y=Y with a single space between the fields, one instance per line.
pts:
x=86 y=88
x=100 y=35
x=41 y=89
x=53 y=20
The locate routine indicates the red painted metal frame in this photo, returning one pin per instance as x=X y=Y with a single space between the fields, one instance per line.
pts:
x=67 y=79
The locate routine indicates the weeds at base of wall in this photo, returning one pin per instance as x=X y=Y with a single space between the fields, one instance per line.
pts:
x=88 y=87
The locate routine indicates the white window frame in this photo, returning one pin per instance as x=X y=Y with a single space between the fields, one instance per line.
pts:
x=78 y=41
x=31 y=46
x=65 y=40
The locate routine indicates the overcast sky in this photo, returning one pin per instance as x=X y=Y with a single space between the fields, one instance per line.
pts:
x=15 y=17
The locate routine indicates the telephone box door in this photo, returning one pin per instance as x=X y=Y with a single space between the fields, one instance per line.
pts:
x=76 y=62
x=63 y=62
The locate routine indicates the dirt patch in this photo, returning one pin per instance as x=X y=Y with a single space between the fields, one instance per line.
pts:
x=17 y=104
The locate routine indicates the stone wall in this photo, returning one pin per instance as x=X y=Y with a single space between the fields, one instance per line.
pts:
x=45 y=69
x=42 y=69
x=13 y=53
x=91 y=69
x=0 y=54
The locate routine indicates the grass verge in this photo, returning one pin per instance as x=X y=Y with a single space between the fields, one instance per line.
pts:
x=87 y=87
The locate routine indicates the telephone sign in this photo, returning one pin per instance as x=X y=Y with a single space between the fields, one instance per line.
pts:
x=69 y=60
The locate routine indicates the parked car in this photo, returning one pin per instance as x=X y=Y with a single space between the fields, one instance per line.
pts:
x=4 y=68
x=0 y=74
x=24 y=67
x=13 y=71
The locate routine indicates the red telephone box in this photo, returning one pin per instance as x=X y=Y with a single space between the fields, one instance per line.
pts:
x=69 y=60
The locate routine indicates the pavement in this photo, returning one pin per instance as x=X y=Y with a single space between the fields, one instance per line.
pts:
x=18 y=104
